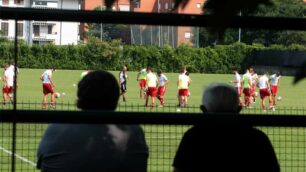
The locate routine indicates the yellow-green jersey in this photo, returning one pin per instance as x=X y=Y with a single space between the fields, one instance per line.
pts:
x=183 y=81
x=142 y=74
x=246 y=78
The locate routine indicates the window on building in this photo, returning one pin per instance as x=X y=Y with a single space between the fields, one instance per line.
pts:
x=198 y=5
x=50 y=29
x=20 y=29
x=166 y=5
x=41 y=3
x=124 y=7
x=36 y=30
x=4 y=28
x=5 y=2
x=19 y=2
x=136 y=3
x=187 y=35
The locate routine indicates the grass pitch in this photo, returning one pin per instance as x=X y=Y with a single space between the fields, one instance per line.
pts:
x=289 y=143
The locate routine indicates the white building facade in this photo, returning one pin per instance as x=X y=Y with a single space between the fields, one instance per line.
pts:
x=42 y=32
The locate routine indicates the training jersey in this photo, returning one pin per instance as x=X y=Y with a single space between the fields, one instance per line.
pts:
x=254 y=77
x=262 y=82
x=9 y=75
x=245 y=80
x=238 y=79
x=151 y=80
x=142 y=74
x=46 y=75
x=122 y=77
x=183 y=81
x=162 y=79
x=274 y=79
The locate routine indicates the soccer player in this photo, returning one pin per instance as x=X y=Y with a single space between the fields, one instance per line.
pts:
x=48 y=86
x=141 y=77
x=152 y=82
x=237 y=82
x=275 y=81
x=162 y=83
x=246 y=84
x=122 y=82
x=8 y=88
x=183 y=84
x=264 y=90
x=254 y=82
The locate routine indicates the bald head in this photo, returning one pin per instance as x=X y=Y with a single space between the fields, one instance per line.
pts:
x=220 y=98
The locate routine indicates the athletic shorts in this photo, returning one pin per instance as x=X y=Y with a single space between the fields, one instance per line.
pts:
x=123 y=87
x=264 y=93
x=183 y=92
x=239 y=90
x=161 y=91
x=152 y=91
x=47 y=88
x=247 y=91
x=142 y=83
x=8 y=89
x=274 y=89
x=252 y=91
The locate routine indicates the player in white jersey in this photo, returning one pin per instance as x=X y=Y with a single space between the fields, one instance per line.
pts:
x=183 y=84
x=254 y=82
x=8 y=87
x=151 y=82
x=123 y=81
x=275 y=81
x=264 y=90
x=162 y=84
x=237 y=83
x=48 y=86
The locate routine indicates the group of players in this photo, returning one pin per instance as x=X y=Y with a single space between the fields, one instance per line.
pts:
x=268 y=87
x=156 y=86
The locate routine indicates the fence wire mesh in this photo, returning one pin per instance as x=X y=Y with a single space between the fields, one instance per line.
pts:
x=163 y=140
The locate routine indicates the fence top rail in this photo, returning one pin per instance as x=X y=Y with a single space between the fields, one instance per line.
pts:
x=170 y=19
x=104 y=117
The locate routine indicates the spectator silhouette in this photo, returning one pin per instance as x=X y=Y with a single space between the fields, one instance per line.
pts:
x=229 y=147
x=94 y=148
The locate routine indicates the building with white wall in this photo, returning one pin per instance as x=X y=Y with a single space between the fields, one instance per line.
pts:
x=42 y=32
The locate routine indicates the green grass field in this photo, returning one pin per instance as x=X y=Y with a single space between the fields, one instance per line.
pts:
x=289 y=143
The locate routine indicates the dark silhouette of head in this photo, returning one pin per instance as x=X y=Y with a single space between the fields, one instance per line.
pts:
x=98 y=90
x=220 y=98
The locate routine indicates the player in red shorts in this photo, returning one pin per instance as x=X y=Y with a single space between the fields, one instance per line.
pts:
x=275 y=81
x=246 y=84
x=8 y=88
x=48 y=87
x=152 y=83
x=254 y=82
x=162 y=83
x=141 y=77
x=237 y=81
x=183 y=84
x=264 y=90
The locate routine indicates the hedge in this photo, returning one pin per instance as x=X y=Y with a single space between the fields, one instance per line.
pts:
x=112 y=55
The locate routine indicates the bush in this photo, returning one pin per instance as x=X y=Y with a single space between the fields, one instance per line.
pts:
x=112 y=55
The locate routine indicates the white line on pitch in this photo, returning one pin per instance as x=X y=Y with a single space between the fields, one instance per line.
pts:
x=18 y=156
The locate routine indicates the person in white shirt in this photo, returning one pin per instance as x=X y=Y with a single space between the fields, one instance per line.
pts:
x=162 y=83
x=151 y=82
x=275 y=81
x=264 y=90
x=237 y=84
x=123 y=81
x=141 y=77
x=183 y=84
x=254 y=81
x=48 y=86
x=8 y=87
